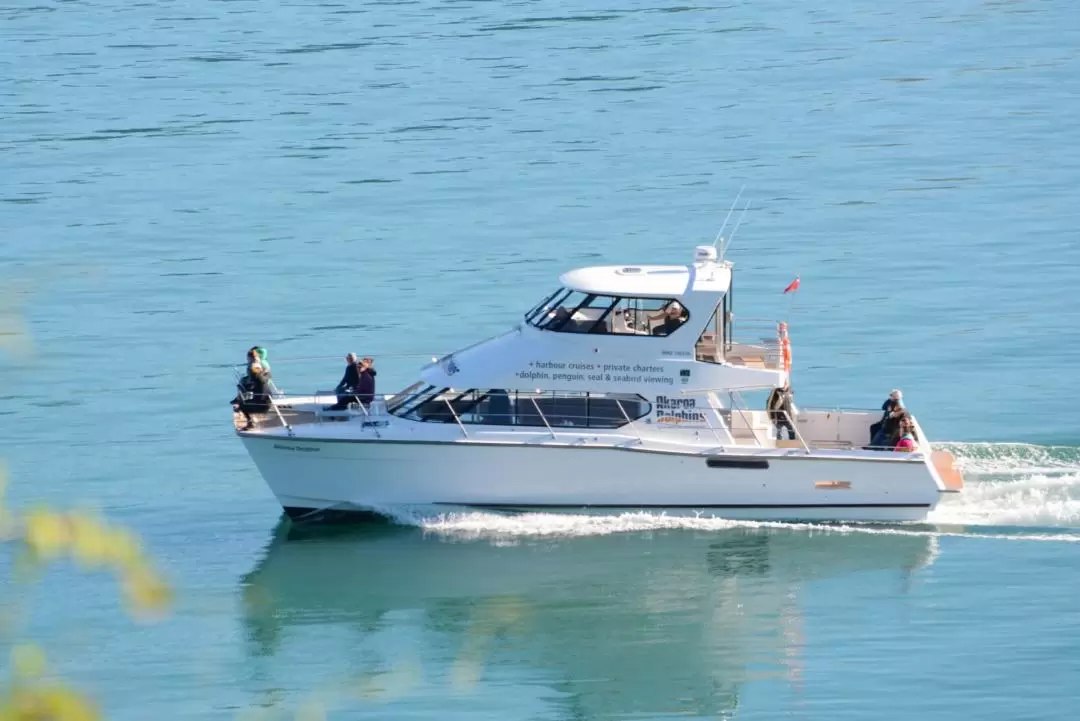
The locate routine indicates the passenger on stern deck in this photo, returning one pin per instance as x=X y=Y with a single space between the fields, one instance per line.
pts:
x=889 y=432
x=894 y=401
x=907 y=437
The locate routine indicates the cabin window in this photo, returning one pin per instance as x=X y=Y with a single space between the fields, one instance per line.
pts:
x=576 y=312
x=498 y=407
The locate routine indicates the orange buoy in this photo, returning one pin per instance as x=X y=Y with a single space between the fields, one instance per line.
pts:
x=785 y=345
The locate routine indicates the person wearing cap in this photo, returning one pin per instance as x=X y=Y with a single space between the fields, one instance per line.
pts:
x=673 y=317
x=892 y=409
x=254 y=391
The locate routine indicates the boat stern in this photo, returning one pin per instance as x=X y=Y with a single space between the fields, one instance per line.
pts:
x=944 y=464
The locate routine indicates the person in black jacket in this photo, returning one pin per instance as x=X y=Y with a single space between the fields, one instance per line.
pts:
x=888 y=408
x=781 y=407
x=347 y=387
x=365 y=388
x=254 y=393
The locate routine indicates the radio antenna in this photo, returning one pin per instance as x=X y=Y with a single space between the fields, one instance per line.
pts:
x=719 y=236
x=737 y=224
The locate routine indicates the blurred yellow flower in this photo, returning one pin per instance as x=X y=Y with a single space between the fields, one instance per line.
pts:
x=122 y=548
x=28 y=661
x=48 y=534
x=47 y=703
x=148 y=596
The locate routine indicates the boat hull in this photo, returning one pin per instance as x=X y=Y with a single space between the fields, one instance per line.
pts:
x=327 y=480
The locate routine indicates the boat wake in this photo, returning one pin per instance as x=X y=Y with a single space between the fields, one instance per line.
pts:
x=1014 y=484
x=1013 y=491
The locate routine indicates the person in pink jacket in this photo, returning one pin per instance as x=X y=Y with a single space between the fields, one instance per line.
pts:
x=906 y=444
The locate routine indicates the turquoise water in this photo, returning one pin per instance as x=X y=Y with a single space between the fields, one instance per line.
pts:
x=181 y=181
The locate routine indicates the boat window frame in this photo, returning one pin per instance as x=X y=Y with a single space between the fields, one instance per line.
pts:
x=544 y=304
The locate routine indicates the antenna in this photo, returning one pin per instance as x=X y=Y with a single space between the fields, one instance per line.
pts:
x=737 y=224
x=721 y=233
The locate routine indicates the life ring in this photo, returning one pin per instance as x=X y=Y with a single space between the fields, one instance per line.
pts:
x=785 y=346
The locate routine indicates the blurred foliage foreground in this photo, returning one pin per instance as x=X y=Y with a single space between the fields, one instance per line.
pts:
x=30 y=692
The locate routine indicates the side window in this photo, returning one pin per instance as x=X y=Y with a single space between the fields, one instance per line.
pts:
x=498 y=407
x=577 y=312
x=648 y=316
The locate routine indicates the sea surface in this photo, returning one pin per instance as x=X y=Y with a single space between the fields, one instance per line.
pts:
x=182 y=180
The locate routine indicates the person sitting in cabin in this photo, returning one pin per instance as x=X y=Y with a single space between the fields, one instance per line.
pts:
x=365 y=386
x=254 y=393
x=673 y=317
x=894 y=400
x=560 y=319
x=906 y=444
x=347 y=386
x=781 y=407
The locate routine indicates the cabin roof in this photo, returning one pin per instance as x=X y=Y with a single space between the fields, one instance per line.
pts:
x=660 y=281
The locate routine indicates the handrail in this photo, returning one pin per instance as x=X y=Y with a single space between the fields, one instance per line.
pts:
x=456 y=417
x=795 y=430
x=713 y=428
x=280 y=417
x=628 y=421
x=749 y=424
x=542 y=417
x=837 y=409
x=338 y=357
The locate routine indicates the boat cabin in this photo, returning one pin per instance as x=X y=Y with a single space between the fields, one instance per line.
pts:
x=660 y=302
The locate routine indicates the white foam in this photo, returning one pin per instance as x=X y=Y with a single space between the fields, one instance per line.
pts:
x=509 y=528
x=1006 y=485
x=1014 y=484
x=1012 y=459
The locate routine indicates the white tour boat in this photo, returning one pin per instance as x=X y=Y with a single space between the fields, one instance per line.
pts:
x=621 y=391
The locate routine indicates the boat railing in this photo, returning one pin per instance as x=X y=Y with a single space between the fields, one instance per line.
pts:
x=543 y=417
x=752 y=342
x=626 y=415
x=736 y=402
x=457 y=418
x=846 y=423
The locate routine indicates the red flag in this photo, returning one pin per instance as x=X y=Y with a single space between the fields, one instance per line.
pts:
x=794 y=285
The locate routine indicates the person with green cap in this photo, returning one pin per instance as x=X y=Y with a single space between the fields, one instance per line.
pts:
x=258 y=353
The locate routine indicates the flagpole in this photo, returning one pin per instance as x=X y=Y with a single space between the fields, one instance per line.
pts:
x=793 y=288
